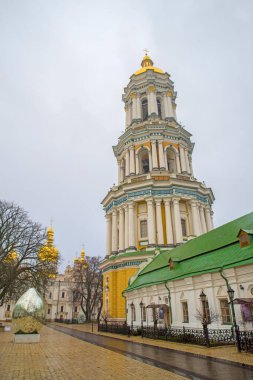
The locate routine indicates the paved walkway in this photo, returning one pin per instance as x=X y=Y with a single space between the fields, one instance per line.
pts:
x=59 y=356
x=227 y=353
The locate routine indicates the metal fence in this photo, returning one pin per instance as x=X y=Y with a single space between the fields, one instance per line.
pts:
x=202 y=336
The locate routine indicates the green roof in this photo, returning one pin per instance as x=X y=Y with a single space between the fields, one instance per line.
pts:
x=209 y=252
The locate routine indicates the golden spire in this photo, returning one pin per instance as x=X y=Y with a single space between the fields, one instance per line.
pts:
x=147 y=64
x=50 y=236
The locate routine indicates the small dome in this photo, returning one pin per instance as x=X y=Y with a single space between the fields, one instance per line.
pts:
x=147 y=64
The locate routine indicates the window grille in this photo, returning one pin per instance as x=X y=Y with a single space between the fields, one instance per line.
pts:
x=144 y=228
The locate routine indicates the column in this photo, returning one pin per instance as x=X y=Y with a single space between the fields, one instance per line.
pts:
x=165 y=159
x=187 y=161
x=161 y=155
x=209 y=223
x=177 y=221
x=195 y=218
x=202 y=218
x=126 y=227
x=108 y=234
x=165 y=106
x=127 y=110
x=154 y=155
x=127 y=163
x=137 y=164
x=151 y=223
x=152 y=100
x=150 y=160
x=170 y=106
x=132 y=166
x=121 y=230
x=169 y=231
x=182 y=159
x=114 y=231
x=131 y=225
x=190 y=162
x=138 y=106
x=160 y=238
x=134 y=102
x=200 y=224
x=178 y=166
x=119 y=171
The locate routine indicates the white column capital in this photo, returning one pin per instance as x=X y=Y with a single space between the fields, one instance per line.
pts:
x=158 y=202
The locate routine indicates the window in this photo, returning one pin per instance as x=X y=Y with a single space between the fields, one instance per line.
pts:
x=159 y=108
x=225 y=312
x=62 y=294
x=144 y=108
x=8 y=307
x=50 y=295
x=183 y=224
x=171 y=160
x=48 y=311
x=62 y=308
x=144 y=228
x=144 y=161
x=185 y=312
x=75 y=309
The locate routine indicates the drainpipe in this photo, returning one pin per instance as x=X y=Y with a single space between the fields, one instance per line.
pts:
x=169 y=297
x=229 y=290
x=123 y=295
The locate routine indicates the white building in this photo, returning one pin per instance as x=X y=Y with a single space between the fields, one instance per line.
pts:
x=167 y=291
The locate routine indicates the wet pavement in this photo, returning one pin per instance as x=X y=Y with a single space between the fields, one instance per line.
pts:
x=185 y=364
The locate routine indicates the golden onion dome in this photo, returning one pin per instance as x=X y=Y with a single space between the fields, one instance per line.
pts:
x=81 y=260
x=49 y=251
x=12 y=256
x=148 y=64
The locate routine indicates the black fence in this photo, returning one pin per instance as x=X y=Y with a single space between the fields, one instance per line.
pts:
x=203 y=336
x=68 y=321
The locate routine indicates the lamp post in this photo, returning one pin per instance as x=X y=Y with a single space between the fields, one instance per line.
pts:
x=231 y=294
x=141 y=306
x=204 y=319
x=92 y=318
x=132 y=315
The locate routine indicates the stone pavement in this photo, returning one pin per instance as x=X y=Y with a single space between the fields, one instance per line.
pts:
x=222 y=352
x=59 y=356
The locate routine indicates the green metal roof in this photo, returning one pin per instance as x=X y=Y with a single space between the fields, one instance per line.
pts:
x=206 y=253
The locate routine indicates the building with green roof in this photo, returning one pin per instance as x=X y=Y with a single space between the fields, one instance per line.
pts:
x=168 y=288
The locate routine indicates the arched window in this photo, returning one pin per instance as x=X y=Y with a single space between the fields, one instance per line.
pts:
x=144 y=228
x=171 y=161
x=144 y=109
x=183 y=224
x=133 y=314
x=144 y=161
x=159 y=108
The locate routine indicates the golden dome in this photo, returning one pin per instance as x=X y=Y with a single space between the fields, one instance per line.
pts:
x=147 y=64
x=49 y=251
x=81 y=259
x=12 y=256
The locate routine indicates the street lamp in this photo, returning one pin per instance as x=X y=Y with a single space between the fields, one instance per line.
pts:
x=92 y=318
x=132 y=315
x=141 y=306
x=204 y=319
x=231 y=294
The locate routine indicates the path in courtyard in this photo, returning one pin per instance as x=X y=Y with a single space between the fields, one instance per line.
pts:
x=186 y=364
x=61 y=357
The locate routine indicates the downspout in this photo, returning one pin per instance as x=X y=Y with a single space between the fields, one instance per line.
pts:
x=169 y=298
x=123 y=295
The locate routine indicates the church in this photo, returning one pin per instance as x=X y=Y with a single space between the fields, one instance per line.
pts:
x=157 y=204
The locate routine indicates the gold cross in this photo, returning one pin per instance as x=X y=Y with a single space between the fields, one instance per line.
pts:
x=146 y=51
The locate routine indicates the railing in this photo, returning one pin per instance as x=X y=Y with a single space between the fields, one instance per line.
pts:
x=202 y=336
x=59 y=320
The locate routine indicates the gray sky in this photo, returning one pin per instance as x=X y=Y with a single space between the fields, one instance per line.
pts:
x=63 y=66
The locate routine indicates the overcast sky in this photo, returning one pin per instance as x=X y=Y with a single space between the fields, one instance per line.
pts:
x=63 y=67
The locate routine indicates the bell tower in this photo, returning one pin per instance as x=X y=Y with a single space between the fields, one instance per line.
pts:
x=157 y=203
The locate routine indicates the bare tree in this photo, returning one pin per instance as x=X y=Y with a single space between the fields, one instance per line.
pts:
x=87 y=286
x=20 y=242
x=207 y=317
